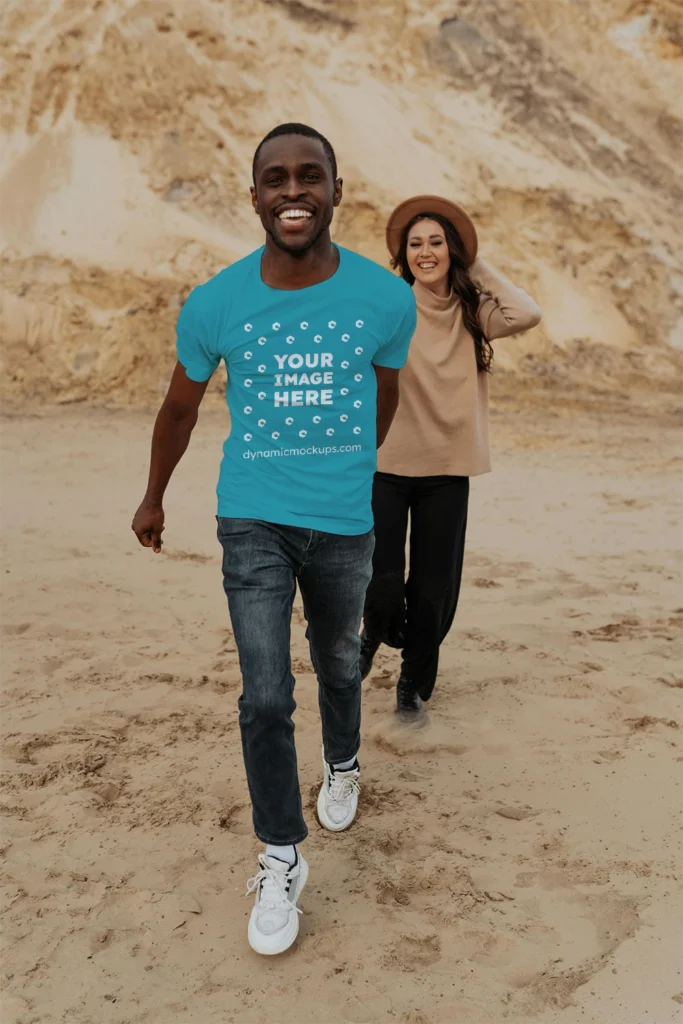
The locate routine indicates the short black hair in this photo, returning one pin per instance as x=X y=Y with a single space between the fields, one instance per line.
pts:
x=294 y=128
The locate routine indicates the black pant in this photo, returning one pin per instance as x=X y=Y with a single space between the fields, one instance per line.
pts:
x=416 y=615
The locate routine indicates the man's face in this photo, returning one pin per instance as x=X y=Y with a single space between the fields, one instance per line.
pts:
x=295 y=193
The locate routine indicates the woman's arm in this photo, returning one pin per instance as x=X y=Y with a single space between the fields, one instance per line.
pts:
x=504 y=308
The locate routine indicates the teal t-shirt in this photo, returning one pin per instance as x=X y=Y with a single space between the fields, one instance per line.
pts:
x=301 y=386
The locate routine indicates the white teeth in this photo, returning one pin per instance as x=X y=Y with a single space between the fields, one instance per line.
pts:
x=294 y=214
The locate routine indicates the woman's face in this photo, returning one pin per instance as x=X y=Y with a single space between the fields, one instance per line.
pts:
x=428 y=257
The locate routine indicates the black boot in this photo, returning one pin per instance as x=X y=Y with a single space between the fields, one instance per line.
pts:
x=408 y=705
x=368 y=650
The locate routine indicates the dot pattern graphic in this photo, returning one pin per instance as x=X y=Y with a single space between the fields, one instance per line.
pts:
x=301 y=373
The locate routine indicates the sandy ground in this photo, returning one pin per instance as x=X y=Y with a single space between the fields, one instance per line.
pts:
x=518 y=859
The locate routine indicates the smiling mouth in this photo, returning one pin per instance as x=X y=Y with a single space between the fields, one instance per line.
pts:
x=294 y=217
x=427 y=266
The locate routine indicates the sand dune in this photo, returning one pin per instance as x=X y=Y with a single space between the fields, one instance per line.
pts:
x=129 y=127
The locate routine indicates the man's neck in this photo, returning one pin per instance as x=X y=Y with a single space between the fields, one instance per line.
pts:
x=289 y=272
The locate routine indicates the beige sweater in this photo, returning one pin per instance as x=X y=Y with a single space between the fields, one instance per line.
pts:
x=441 y=427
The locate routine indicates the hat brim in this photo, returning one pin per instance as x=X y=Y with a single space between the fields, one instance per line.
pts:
x=410 y=208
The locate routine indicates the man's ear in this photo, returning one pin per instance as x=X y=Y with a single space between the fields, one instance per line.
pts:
x=338 y=191
x=254 y=198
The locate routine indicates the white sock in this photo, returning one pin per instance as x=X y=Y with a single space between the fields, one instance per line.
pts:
x=344 y=766
x=285 y=853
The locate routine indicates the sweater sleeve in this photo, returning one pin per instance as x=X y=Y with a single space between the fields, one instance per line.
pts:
x=504 y=309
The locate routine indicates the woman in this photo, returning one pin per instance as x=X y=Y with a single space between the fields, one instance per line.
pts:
x=439 y=438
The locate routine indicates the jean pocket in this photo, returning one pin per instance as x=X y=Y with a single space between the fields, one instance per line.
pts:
x=231 y=530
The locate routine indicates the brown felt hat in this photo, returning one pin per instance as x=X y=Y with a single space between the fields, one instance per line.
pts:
x=408 y=209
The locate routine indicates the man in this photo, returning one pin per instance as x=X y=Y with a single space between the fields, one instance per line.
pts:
x=313 y=337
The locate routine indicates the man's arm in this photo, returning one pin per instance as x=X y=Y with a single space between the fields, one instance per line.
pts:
x=387 y=400
x=172 y=430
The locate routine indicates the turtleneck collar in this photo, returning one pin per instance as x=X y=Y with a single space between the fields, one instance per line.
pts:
x=426 y=299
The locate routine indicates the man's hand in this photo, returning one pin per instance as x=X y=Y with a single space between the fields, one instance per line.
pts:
x=148 y=525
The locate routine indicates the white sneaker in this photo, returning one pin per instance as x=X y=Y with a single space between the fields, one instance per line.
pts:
x=274 y=921
x=338 y=798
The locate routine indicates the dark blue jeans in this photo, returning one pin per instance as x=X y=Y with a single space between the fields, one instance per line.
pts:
x=262 y=563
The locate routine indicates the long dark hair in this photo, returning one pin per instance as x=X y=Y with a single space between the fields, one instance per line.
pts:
x=460 y=281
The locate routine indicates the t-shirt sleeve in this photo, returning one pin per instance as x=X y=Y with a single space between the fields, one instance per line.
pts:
x=401 y=327
x=194 y=341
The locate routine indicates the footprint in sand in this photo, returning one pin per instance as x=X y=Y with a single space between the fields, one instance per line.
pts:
x=188 y=556
x=383 y=681
x=236 y=819
x=418 y=947
x=516 y=813
x=674 y=681
x=17 y=630
x=402 y=740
